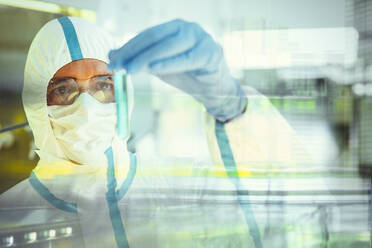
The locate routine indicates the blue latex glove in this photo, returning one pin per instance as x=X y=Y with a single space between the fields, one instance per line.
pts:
x=185 y=56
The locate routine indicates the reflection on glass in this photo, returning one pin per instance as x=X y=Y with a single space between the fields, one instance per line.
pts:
x=294 y=171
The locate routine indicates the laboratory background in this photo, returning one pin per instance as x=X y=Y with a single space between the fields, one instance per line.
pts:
x=311 y=59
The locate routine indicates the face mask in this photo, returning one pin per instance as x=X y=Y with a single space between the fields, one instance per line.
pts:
x=84 y=129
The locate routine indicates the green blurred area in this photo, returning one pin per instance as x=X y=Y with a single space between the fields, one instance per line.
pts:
x=293 y=105
x=15 y=164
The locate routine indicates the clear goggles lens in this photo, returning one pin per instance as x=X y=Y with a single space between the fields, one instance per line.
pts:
x=64 y=91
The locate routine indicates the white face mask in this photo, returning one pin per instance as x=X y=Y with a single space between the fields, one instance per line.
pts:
x=84 y=129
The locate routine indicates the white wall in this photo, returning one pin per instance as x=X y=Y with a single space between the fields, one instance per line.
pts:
x=223 y=15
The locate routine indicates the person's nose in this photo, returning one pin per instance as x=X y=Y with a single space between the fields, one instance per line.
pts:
x=83 y=85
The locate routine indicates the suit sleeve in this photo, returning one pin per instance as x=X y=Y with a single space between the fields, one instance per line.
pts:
x=259 y=139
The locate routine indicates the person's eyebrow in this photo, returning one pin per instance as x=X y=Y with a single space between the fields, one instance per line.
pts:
x=104 y=75
x=59 y=80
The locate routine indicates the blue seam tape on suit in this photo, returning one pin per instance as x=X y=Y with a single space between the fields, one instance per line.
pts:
x=128 y=181
x=71 y=38
x=112 y=201
x=45 y=193
x=230 y=166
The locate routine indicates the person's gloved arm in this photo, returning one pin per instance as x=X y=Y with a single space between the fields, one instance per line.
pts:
x=185 y=56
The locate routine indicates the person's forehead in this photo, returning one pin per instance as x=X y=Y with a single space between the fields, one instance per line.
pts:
x=82 y=69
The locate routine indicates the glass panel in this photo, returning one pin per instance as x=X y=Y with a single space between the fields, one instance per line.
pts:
x=294 y=170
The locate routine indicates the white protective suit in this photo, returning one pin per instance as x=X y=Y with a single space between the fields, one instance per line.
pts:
x=119 y=204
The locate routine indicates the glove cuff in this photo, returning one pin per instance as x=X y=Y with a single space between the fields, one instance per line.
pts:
x=230 y=106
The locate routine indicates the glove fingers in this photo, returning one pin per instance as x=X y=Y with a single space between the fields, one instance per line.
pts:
x=170 y=46
x=119 y=57
x=193 y=59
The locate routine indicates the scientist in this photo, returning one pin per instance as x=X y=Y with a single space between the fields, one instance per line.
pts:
x=87 y=175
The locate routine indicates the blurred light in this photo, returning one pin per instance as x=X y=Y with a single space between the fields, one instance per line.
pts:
x=8 y=241
x=362 y=89
x=66 y=231
x=50 y=8
x=358 y=89
x=30 y=237
x=50 y=234
x=291 y=47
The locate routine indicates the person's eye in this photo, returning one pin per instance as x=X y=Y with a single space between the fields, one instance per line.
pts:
x=61 y=90
x=104 y=86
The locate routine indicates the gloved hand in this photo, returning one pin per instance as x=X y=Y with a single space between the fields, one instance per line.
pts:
x=185 y=56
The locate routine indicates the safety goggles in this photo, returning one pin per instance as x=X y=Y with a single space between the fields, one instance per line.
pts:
x=64 y=91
